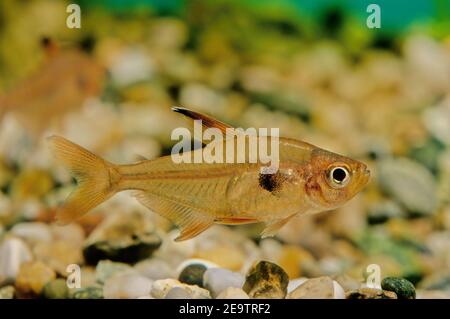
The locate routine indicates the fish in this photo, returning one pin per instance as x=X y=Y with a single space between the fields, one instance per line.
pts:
x=194 y=196
x=63 y=82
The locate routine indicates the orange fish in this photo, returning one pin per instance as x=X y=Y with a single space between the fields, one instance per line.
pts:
x=196 y=195
x=62 y=84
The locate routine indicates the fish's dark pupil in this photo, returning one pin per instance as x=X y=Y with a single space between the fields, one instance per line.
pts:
x=339 y=175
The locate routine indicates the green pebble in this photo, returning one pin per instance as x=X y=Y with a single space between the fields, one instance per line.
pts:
x=55 y=289
x=402 y=287
x=88 y=293
x=193 y=274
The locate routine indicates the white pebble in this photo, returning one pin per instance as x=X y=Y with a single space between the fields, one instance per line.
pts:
x=217 y=280
x=178 y=293
x=13 y=252
x=154 y=269
x=160 y=289
x=233 y=293
x=339 y=292
x=294 y=283
x=127 y=287
x=32 y=232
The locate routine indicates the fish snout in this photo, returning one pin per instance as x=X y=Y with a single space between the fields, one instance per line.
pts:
x=365 y=174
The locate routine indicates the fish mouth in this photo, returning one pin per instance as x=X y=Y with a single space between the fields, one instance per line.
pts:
x=365 y=176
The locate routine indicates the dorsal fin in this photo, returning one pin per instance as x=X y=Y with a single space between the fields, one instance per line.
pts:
x=207 y=121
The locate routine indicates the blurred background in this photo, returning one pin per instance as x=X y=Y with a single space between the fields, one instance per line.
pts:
x=311 y=68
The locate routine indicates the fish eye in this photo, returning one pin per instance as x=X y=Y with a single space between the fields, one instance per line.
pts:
x=339 y=176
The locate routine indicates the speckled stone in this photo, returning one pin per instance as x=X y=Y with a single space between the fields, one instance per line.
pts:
x=371 y=293
x=402 y=287
x=266 y=280
x=88 y=293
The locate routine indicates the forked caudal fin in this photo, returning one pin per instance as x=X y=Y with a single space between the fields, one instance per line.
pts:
x=95 y=178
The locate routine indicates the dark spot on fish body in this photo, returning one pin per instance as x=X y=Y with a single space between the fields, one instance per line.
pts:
x=270 y=182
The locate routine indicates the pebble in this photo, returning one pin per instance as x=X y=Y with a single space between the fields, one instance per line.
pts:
x=433 y=294
x=106 y=269
x=371 y=293
x=402 y=287
x=58 y=255
x=217 y=280
x=32 y=232
x=13 y=252
x=294 y=283
x=380 y=212
x=33 y=276
x=155 y=269
x=266 y=280
x=226 y=256
x=193 y=274
x=127 y=286
x=56 y=289
x=233 y=293
x=347 y=282
x=410 y=183
x=318 y=288
x=31 y=184
x=122 y=237
x=7 y=292
x=292 y=258
x=72 y=233
x=178 y=293
x=437 y=281
x=88 y=293
x=161 y=287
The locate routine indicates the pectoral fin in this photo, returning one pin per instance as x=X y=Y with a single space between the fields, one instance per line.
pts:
x=191 y=221
x=274 y=226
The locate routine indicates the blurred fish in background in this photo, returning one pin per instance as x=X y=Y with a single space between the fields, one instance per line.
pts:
x=62 y=84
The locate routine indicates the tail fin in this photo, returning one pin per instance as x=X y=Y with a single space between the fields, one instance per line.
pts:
x=93 y=175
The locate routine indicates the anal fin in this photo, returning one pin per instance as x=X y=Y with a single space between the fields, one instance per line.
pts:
x=274 y=226
x=190 y=220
